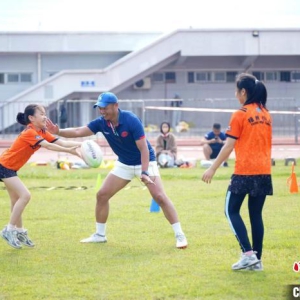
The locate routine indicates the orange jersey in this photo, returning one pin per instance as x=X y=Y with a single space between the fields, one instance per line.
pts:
x=251 y=126
x=23 y=147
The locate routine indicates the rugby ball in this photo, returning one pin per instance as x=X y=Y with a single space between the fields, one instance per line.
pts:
x=91 y=153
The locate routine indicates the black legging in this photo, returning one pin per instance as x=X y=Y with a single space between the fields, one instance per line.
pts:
x=233 y=204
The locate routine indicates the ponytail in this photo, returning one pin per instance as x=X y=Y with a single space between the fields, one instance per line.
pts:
x=255 y=89
x=21 y=118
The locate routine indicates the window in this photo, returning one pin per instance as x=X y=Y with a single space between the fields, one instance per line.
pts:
x=170 y=77
x=220 y=76
x=271 y=76
x=203 y=76
x=158 y=77
x=167 y=77
x=1 y=78
x=12 y=78
x=191 y=77
x=259 y=75
x=285 y=76
x=231 y=76
x=25 y=77
x=295 y=76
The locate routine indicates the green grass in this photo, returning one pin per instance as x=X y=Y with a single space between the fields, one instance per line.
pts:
x=140 y=260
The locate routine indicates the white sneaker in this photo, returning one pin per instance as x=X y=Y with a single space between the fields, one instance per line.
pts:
x=95 y=238
x=11 y=238
x=181 y=241
x=245 y=261
x=257 y=267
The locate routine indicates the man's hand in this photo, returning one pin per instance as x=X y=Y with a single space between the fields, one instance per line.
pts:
x=51 y=127
x=146 y=179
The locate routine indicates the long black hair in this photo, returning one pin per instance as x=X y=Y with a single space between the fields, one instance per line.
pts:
x=255 y=89
x=23 y=118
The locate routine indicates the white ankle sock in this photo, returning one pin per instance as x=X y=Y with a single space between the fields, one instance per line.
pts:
x=20 y=229
x=10 y=227
x=100 y=228
x=177 y=228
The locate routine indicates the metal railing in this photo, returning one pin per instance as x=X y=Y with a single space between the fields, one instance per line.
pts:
x=154 y=111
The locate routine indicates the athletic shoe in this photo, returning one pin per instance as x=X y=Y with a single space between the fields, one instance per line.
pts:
x=95 y=238
x=181 y=241
x=24 y=239
x=245 y=261
x=11 y=238
x=257 y=267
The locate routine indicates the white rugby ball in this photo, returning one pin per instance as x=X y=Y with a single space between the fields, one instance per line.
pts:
x=91 y=153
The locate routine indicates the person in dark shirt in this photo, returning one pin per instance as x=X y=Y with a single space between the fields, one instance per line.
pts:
x=213 y=142
x=125 y=134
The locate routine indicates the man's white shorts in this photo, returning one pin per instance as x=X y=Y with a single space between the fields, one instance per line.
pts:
x=129 y=172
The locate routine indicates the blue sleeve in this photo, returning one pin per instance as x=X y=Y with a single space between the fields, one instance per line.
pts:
x=222 y=136
x=209 y=136
x=137 y=128
x=96 y=125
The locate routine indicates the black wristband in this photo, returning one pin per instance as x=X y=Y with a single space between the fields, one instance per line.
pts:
x=145 y=173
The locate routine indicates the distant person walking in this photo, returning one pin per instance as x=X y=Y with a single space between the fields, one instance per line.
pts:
x=63 y=115
x=250 y=135
x=30 y=140
x=176 y=114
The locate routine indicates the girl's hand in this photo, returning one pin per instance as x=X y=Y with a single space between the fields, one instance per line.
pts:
x=208 y=175
x=76 y=151
x=51 y=127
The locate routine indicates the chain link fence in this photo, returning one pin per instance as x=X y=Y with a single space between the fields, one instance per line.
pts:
x=71 y=113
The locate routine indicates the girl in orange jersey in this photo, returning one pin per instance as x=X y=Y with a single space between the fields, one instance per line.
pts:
x=31 y=139
x=249 y=134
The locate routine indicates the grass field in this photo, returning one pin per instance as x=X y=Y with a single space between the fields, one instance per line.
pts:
x=140 y=260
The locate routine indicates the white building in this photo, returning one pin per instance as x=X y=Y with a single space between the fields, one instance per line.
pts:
x=48 y=68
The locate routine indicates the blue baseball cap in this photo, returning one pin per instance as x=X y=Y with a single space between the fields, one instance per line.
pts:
x=105 y=99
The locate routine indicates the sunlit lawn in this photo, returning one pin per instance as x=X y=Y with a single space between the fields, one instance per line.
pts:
x=140 y=260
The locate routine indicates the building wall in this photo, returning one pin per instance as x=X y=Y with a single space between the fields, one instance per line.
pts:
x=16 y=63
x=50 y=64
x=58 y=42
x=205 y=90
x=53 y=63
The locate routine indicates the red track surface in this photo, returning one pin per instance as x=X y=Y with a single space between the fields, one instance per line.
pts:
x=188 y=148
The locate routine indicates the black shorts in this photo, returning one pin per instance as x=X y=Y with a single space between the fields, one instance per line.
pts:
x=6 y=173
x=215 y=153
x=254 y=185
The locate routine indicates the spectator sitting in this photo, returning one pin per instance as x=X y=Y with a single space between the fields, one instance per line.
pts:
x=166 y=148
x=213 y=142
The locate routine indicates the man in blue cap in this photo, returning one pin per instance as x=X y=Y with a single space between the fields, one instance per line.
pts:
x=125 y=134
